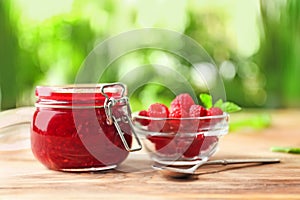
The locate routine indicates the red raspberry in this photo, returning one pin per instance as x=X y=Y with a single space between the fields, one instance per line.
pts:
x=177 y=124
x=184 y=101
x=143 y=122
x=143 y=113
x=214 y=111
x=161 y=112
x=197 y=111
x=208 y=142
x=195 y=147
x=158 y=110
x=178 y=112
x=163 y=145
x=197 y=124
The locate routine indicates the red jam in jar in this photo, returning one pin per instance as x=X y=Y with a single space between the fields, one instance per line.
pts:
x=82 y=127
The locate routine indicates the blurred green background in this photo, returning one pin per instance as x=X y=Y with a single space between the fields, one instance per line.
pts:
x=255 y=45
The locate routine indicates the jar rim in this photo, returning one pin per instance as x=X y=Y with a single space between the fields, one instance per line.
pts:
x=78 y=94
x=44 y=91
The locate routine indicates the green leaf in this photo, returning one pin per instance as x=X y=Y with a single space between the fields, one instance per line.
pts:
x=230 y=107
x=206 y=100
x=219 y=103
x=286 y=150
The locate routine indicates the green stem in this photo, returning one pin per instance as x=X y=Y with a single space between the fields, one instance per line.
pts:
x=286 y=150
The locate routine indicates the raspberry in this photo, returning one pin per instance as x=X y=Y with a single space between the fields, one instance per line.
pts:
x=197 y=124
x=158 y=110
x=178 y=112
x=143 y=122
x=214 y=111
x=177 y=124
x=197 y=111
x=195 y=147
x=163 y=145
x=143 y=113
x=208 y=142
x=161 y=112
x=184 y=101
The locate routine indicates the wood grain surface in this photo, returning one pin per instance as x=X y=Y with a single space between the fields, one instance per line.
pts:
x=22 y=177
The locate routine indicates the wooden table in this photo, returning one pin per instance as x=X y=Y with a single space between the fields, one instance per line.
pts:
x=22 y=177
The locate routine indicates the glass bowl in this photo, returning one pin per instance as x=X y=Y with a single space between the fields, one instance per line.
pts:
x=181 y=141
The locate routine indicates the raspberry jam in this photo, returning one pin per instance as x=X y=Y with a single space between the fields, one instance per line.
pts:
x=82 y=127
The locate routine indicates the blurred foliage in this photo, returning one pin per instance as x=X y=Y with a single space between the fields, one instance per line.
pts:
x=42 y=46
x=8 y=63
x=279 y=54
x=252 y=120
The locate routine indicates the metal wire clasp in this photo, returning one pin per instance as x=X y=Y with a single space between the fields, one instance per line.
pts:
x=123 y=115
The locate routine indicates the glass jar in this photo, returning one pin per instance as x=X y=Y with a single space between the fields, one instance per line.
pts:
x=82 y=127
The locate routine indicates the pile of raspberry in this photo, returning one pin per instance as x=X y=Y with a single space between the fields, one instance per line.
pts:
x=182 y=117
x=182 y=107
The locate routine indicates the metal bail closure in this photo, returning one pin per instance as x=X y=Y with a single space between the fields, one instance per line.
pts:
x=118 y=112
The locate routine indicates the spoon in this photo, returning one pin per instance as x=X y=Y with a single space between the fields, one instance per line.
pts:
x=176 y=172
